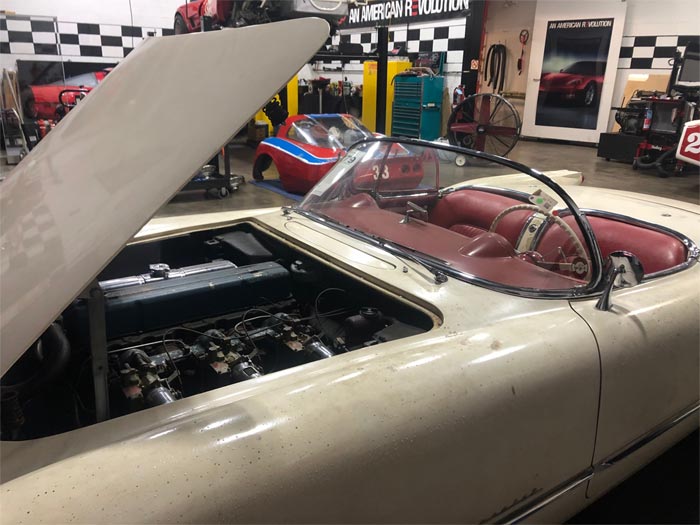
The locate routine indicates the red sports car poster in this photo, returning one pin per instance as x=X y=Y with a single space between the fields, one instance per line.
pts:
x=573 y=68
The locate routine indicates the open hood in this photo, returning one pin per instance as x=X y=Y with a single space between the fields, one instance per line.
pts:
x=70 y=206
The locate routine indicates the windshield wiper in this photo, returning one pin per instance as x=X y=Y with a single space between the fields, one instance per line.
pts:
x=436 y=276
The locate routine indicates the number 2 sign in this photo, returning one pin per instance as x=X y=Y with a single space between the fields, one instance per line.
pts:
x=689 y=145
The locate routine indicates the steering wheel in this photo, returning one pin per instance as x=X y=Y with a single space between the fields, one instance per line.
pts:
x=580 y=267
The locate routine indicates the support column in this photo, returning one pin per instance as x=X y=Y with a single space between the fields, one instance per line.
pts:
x=382 y=67
x=472 y=45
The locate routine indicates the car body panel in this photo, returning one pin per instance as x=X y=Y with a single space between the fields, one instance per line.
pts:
x=47 y=98
x=48 y=238
x=650 y=362
x=572 y=82
x=440 y=398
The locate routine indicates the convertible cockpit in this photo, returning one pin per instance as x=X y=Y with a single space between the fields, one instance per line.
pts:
x=487 y=222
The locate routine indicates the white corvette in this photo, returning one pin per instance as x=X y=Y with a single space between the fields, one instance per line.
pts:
x=432 y=335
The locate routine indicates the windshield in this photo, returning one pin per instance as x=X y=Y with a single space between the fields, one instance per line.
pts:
x=476 y=217
x=586 y=68
x=86 y=79
x=332 y=131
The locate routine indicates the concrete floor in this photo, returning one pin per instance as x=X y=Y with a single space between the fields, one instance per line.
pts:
x=541 y=155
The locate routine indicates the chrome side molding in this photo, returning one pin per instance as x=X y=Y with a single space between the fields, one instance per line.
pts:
x=537 y=503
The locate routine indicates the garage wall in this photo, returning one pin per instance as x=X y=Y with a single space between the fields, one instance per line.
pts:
x=80 y=30
x=653 y=31
x=438 y=35
x=156 y=13
x=504 y=21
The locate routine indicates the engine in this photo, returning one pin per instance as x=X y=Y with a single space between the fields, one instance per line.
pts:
x=211 y=309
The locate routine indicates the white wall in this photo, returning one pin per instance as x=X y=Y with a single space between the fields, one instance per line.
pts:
x=147 y=13
x=504 y=21
x=665 y=17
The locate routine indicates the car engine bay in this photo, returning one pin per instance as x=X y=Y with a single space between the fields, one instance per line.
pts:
x=176 y=317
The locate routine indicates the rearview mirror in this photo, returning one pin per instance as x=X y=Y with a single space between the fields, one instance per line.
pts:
x=623 y=270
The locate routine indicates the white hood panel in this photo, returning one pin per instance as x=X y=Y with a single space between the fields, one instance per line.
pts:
x=99 y=176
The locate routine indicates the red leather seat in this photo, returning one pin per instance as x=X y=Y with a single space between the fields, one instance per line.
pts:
x=471 y=212
x=656 y=250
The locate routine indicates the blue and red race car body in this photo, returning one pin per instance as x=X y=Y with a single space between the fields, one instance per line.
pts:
x=306 y=147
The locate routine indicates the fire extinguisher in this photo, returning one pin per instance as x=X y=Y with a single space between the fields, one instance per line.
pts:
x=646 y=126
x=458 y=96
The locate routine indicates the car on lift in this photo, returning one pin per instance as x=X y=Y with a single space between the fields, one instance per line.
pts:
x=238 y=13
x=54 y=100
x=481 y=345
x=580 y=83
x=305 y=147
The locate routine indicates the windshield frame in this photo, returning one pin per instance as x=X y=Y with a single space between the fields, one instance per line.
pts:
x=595 y=284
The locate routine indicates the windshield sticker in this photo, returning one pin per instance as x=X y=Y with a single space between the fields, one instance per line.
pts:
x=542 y=200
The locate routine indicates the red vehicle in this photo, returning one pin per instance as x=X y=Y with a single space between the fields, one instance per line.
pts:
x=306 y=147
x=237 y=13
x=54 y=100
x=580 y=82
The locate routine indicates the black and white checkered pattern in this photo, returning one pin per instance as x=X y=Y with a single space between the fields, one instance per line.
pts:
x=26 y=35
x=651 y=52
x=448 y=36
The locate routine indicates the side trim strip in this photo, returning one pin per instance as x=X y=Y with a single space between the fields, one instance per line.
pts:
x=647 y=438
x=546 y=498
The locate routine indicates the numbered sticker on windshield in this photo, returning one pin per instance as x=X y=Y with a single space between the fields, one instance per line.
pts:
x=542 y=200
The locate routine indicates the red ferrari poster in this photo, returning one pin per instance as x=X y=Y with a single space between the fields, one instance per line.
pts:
x=573 y=68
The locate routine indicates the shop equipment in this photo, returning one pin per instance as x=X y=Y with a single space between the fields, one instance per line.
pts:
x=485 y=122
x=495 y=67
x=652 y=122
x=416 y=111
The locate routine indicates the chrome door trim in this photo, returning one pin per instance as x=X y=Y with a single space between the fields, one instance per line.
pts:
x=647 y=438
x=544 y=499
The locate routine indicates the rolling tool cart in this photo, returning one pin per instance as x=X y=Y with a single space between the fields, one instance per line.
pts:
x=417 y=105
x=214 y=184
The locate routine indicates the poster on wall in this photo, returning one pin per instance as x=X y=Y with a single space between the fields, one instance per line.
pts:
x=573 y=69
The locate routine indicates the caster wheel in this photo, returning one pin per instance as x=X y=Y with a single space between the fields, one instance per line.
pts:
x=222 y=193
x=635 y=164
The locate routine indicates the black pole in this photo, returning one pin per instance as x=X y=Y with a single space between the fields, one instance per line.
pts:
x=472 y=44
x=382 y=60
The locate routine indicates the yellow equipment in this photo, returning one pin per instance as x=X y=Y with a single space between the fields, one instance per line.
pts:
x=369 y=91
